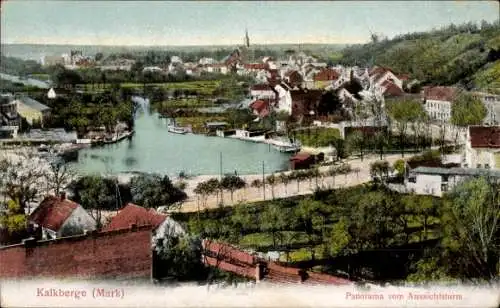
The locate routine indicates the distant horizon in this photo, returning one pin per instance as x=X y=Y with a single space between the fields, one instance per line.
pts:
x=217 y=23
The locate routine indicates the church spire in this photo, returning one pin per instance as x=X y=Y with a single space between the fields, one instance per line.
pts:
x=247 y=39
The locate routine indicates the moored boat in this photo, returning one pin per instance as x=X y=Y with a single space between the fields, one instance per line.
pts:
x=177 y=130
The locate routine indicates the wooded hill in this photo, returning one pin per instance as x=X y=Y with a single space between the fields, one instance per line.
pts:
x=466 y=55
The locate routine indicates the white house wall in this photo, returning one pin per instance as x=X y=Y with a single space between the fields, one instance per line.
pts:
x=77 y=223
x=438 y=110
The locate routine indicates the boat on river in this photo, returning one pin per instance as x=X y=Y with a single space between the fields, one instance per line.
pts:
x=286 y=146
x=177 y=129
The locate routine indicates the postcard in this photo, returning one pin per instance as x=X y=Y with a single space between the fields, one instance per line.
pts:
x=250 y=154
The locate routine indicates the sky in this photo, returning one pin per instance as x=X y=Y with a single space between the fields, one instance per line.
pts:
x=180 y=23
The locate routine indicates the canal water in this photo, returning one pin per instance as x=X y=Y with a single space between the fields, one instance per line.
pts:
x=154 y=149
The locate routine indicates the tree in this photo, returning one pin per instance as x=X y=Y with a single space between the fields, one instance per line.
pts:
x=153 y=190
x=399 y=166
x=271 y=180
x=356 y=140
x=13 y=221
x=470 y=218
x=273 y=220
x=308 y=213
x=203 y=191
x=339 y=237
x=284 y=179
x=404 y=112
x=214 y=186
x=179 y=257
x=22 y=178
x=232 y=183
x=95 y=194
x=467 y=110
x=59 y=176
x=380 y=171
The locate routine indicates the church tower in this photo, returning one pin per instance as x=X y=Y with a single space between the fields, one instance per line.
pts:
x=247 y=39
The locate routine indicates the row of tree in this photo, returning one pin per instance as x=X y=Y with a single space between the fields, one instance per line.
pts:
x=232 y=183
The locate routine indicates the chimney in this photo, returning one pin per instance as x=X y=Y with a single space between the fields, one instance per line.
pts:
x=62 y=195
x=29 y=242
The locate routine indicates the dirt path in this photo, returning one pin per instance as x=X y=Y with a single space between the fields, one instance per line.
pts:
x=251 y=194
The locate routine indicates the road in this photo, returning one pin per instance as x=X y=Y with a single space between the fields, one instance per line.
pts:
x=251 y=194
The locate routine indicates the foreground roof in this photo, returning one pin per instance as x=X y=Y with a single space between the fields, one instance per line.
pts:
x=135 y=215
x=53 y=212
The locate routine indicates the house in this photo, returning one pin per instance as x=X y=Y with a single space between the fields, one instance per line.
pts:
x=390 y=89
x=305 y=102
x=293 y=78
x=325 y=77
x=261 y=108
x=438 y=100
x=492 y=104
x=59 y=217
x=9 y=119
x=118 y=255
x=482 y=149
x=380 y=74
x=262 y=91
x=52 y=60
x=31 y=110
x=302 y=161
x=297 y=102
x=132 y=214
x=436 y=181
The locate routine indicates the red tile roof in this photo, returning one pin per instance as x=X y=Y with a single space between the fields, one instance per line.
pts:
x=485 y=136
x=392 y=89
x=134 y=214
x=327 y=74
x=301 y=156
x=116 y=254
x=53 y=212
x=440 y=93
x=261 y=107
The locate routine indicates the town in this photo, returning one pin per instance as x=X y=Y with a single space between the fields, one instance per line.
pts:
x=370 y=163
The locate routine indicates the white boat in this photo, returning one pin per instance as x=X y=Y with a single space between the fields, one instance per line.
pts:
x=286 y=146
x=177 y=130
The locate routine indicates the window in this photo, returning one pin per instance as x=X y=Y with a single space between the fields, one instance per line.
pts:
x=487 y=166
x=444 y=179
x=444 y=187
x=412 y=179
x=479 y=165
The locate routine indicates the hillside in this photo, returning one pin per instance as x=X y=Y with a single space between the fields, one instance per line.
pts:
x=468 y=55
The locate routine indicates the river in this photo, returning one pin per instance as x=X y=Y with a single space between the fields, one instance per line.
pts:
x=154 y=149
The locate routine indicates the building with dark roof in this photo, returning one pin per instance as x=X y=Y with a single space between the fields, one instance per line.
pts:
x=132 y=214
x=482 y=149
x=59 y=217
x=436 y=181
x=32 y=111
x=438 y=100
